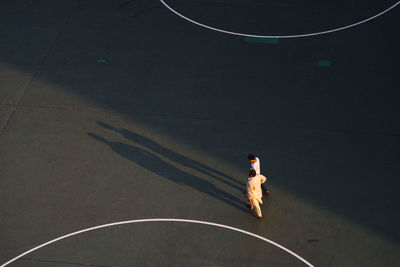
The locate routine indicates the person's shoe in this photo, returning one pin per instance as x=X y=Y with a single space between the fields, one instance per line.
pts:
x=255 y=215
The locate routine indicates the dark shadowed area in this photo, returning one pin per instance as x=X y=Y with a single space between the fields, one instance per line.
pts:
x=116 y=110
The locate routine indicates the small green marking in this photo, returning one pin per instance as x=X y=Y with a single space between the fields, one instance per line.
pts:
x=324 y=63
x=101 y=61
x=262 y=40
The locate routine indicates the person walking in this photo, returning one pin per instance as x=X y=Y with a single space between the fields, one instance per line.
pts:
x=254 y=193
x=255 y=165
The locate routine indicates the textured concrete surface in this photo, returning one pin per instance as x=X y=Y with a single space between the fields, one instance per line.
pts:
x=119 y=110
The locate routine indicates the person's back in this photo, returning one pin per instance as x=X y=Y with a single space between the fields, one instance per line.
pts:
x=255 y=165
x=254 y=191
x=254 y=186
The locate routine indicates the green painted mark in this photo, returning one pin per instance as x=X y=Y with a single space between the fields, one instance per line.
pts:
x=101 y=61
x=262 y=40
x=324 y=63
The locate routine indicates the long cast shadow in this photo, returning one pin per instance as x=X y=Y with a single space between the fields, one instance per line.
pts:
x=174 y=156
x=162 y=168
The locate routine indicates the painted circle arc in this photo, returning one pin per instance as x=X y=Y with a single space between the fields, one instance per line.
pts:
x=160 y=220
x=243 y=34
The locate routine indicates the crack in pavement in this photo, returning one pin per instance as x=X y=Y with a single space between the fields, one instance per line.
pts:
x=177 y=116
x=2 y=130
x=64 y=262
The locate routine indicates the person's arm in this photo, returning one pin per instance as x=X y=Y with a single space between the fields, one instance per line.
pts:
x=257 y=166
x=250 y=194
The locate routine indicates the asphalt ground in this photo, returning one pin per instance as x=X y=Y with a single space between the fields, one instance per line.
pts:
x=120 y=110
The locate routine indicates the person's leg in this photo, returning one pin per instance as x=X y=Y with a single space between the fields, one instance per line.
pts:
x=250 y=205
x=256 y=208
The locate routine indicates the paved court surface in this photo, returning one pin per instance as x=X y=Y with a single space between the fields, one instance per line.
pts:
x=117 y=110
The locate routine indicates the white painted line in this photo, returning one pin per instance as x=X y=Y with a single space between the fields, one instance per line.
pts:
x=159 y=220
x=278 y=36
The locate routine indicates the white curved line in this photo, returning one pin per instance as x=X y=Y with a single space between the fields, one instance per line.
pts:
x=278 y=36
x=159 y=220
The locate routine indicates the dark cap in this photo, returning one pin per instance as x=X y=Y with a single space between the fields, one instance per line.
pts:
x=251 y=157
